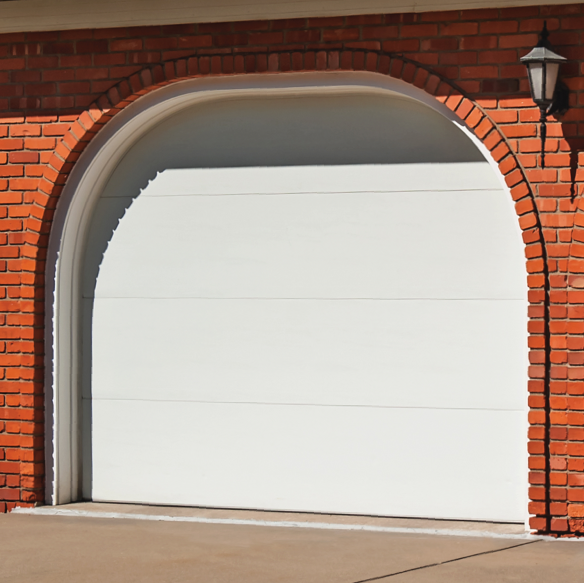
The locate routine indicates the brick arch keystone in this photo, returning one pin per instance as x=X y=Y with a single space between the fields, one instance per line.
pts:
x=469 y=112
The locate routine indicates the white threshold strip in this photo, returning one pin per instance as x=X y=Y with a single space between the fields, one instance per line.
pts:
x=55 y=511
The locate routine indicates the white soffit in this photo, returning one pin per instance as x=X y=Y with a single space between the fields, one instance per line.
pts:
x=33 y=15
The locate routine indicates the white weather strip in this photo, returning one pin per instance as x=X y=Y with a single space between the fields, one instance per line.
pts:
x=52 y=511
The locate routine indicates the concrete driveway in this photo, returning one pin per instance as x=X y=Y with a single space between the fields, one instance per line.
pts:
x=87 y=549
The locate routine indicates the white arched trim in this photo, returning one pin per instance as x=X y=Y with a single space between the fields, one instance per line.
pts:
x=75 y=209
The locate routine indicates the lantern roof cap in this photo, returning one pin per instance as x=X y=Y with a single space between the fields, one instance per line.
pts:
x=542 y=52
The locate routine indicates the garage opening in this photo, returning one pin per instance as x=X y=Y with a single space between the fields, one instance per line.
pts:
x=311 y=304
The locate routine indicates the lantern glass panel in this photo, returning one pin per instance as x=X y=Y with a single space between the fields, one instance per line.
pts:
x=551 y=77
x=536 y=80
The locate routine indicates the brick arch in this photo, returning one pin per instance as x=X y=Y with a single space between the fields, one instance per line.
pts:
x=149 y=79
x=470 y=114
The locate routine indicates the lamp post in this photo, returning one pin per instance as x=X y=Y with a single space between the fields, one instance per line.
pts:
x=543 y=66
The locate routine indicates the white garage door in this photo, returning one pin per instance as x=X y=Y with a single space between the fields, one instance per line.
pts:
x=347 y=335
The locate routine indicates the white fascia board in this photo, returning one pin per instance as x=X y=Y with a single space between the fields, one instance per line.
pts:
x=42 y=15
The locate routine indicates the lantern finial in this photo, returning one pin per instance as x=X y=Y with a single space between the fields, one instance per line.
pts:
x=543 y=36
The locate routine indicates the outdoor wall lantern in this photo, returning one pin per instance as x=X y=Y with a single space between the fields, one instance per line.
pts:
x=551 y=96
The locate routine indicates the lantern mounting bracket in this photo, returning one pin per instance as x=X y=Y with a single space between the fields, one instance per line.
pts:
x=561 y=102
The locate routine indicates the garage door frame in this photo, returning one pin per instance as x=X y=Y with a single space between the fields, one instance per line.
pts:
x=74 y=213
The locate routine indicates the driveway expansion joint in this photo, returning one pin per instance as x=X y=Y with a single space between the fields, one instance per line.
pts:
x=381 y=577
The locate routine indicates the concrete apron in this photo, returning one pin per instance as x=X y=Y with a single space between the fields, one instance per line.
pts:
x=286 y=519
x=111 y=542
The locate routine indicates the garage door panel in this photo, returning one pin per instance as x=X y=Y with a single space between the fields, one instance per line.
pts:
x=331 y=130
x=307 y=304
x=406 y=462
x=313 y=245
x=266 y=179
x=349 y=352
x=106 y=218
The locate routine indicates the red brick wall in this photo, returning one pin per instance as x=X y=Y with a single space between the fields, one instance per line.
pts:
x=467 y=59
